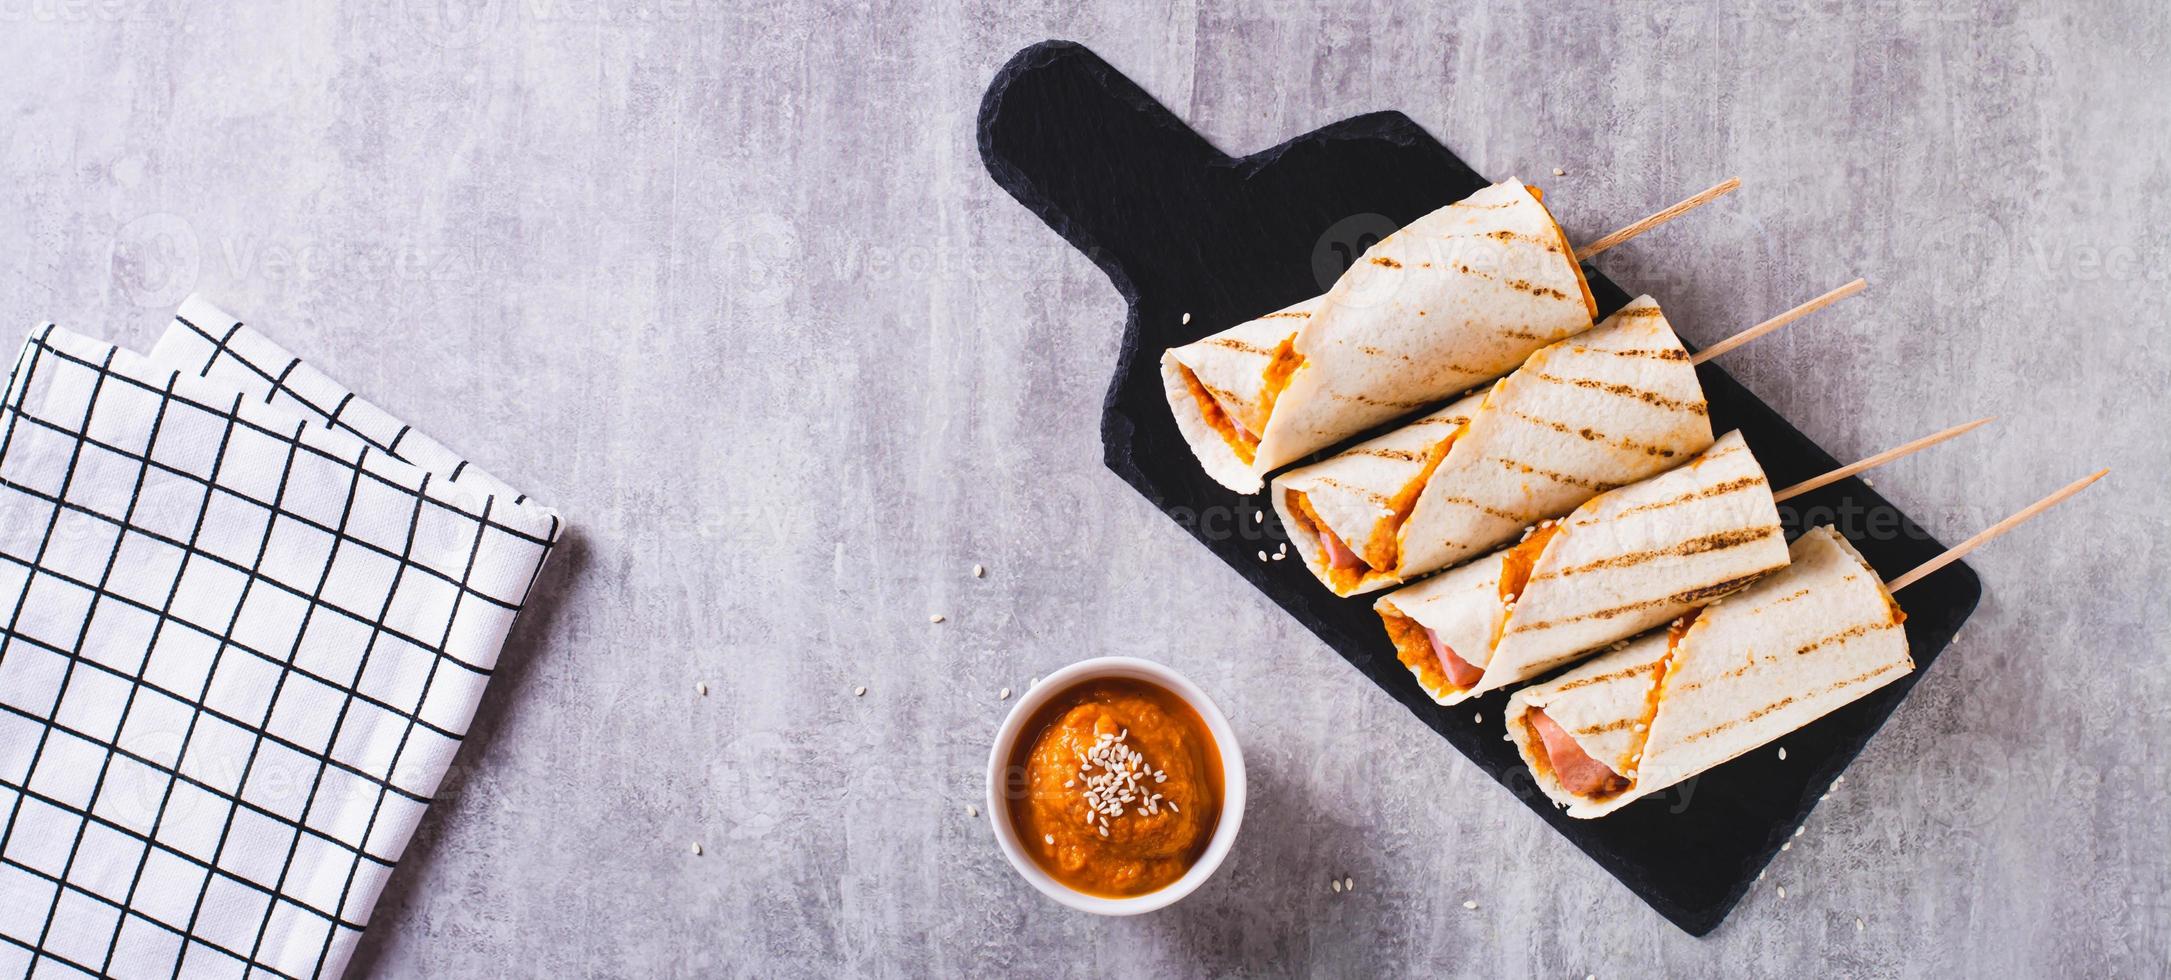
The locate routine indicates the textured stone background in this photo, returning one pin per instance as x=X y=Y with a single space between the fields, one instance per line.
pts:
x=730 y=287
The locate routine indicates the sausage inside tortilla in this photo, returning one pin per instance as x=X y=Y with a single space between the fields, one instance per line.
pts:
x=1460 y=672
x=1577 y=771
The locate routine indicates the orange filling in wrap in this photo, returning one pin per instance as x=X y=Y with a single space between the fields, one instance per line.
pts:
x=1346 y=566
x=1578 y=773
x=1437 y=665
x=1243 y=441
x=1286 y=361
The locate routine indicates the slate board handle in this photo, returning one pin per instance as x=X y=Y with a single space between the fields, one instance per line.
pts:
x=1126 y=151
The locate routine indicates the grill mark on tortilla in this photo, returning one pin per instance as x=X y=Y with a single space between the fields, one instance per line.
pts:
x=1399 y=455
x=1593 y=435
x=1689 y=597
x=1701 y=544
x=1372 y=495
x=1651 y=398
x=1606 y=678
x=1443 y=420
x=1594 y=486
x=1670 y=354
x=1523 y=335
x=1542 y=292
x=1637 y=313
x=1790 y=699
x=1484 y=207
x=1381 y=402
x=1703 y=493
x=1226 y=397
x=1754 y=661
x=1494 y=511
x=1612 y=726
x=1240 y=346
x=1506 y=235
x=1286 y=314
x=1859 y=629
x=1382 y=260
x=1370 y=351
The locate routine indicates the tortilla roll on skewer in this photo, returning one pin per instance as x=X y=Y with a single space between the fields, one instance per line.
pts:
x=1453 y=299
x=1673 y=703
x=1725 y=680
x=1594 y=412
x=1620 y=564
x=1623 y=562
x=1530 y=450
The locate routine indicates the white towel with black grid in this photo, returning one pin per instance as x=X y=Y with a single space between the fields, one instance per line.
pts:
x=245 y=619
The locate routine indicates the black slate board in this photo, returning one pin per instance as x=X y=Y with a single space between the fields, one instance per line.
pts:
x=1182 y=228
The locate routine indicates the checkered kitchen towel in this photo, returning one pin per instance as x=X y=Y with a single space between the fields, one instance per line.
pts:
x=245 y=618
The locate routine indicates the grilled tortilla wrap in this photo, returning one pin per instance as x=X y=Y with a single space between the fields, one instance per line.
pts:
x=1367 y=492
x=1455 y=298
x=1623 y=562
x=1585 y=415
x=1797 y=645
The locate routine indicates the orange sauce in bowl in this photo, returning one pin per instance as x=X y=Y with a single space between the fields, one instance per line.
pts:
x=1114 y=787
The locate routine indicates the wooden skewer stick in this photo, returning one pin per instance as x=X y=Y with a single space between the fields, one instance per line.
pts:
x=1878 y=460
x=1717 y=191
x=1779 y=321
x=1956 y=552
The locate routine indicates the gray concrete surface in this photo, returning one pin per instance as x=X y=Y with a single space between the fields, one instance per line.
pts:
x=729 y=286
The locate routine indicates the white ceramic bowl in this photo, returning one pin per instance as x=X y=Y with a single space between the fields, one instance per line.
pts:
x=1232 y=783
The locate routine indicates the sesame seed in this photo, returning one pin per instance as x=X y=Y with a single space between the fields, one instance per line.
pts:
x=701 y=689
x=1782 y=753
x=1187 y=318
x=1782 y=891
x=1104 y=828
x=1349 y=884
x=1867 y=482
x=697 y=849
x=860 y=691
x=971 y=811
x=1478 y=718
x=1858 y=924
x=1262 y=554
x=1557 y=172
x=1258 y=517
x=979 y=571
x=1050 y=838
x=1334 y=885
x=1788 y=846
x=1279 y=555
x=1034 y=682
x=936 y=618
x=1003 y=695
x=1798 y=830
x=1469 y=905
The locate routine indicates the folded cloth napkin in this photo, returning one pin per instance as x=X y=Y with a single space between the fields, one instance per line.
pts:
x=245 y=618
